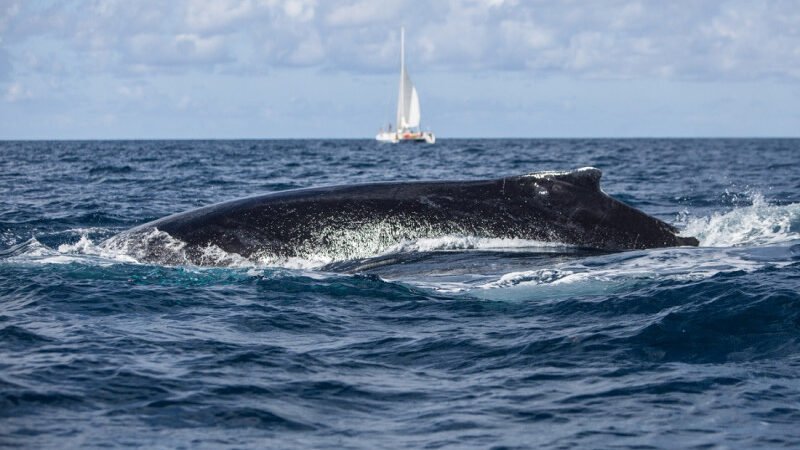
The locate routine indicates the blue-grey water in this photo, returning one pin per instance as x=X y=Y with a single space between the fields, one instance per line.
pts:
x=444 y=343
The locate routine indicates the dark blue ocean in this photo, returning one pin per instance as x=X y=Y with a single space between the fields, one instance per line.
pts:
x=453 y=342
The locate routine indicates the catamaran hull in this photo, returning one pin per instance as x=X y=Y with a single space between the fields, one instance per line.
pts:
x=395 y=138
x=387 y=137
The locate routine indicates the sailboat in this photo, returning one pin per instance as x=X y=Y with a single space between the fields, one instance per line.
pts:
x=407 y=129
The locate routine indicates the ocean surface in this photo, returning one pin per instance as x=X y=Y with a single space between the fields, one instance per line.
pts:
x=449 y=342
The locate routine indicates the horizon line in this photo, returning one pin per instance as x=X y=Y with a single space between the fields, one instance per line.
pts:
x=373 y=139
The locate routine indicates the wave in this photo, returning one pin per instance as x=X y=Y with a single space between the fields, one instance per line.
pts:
x=111 y=169
x=674 y=264
x=456 y=242
x=758 y=225
x=84 y=251
x=745 y=239
x=755 y=225
x=172 y=251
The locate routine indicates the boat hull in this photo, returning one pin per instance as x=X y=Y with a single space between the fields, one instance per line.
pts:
x=416 y=137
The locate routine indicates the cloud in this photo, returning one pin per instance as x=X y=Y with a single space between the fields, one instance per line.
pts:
x=17 y=92
x=8 y=9
x=180 y=49
x=5 y=65
x=218 y=15
x=299 y=10
x=363 y=12
x=618 y=39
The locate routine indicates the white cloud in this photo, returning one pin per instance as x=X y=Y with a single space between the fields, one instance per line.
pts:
x=216 y=15
x=5 y=64
x=17 y=92
x=526 y=34
x=131 y=91
x=299 y=10
x=8 y=9
x=184 y=103
x=155 y=49
x=309 y=51
x=363 y=12
x=730 y=39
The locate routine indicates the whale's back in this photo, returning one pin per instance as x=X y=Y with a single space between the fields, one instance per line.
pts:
x=362 y=219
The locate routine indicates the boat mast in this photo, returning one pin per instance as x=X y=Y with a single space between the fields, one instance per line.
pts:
x=401 y=107
x=402 y=49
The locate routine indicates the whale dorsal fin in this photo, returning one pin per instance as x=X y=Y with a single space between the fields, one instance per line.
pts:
x=588 y=177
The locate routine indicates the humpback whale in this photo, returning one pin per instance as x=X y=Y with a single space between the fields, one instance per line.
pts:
x=362 y=220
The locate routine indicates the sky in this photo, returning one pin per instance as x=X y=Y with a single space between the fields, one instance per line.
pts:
x=154 y=69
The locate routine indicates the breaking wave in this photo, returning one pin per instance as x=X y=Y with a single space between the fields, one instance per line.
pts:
x=605 y=272
x=760 y=227
x=758 y=224
x=745 y=239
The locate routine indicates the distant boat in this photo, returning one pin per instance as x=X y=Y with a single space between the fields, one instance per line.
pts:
x=407 y=127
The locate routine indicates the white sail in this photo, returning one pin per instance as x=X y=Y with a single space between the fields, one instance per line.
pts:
x=408 y=114
x=407 y=104
x=408 y=101
x=413 y=109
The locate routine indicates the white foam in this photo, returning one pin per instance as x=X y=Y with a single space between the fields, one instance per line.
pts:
x=33 y=251
x=458 y=242
x=86 y=246
x=759 y=224
x=160 y=247
x=34 y=248
x=314 y=260
x=310 y=262
x=535 y=277
x=557 y=173
x=600 y=273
